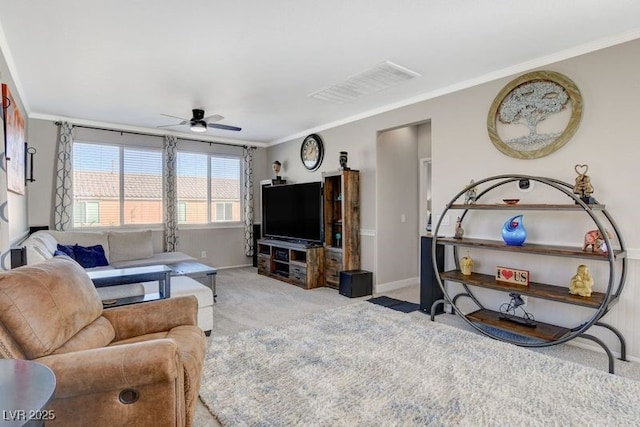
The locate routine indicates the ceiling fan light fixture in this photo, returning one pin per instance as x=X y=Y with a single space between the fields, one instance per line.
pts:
x=198 y=126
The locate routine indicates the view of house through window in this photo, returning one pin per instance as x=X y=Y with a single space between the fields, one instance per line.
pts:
x=87 y=212
x=209 y=188
x=142 y=187
x=115 y=186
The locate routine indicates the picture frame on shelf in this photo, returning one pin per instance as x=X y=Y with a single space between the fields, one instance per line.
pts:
x=512 y=275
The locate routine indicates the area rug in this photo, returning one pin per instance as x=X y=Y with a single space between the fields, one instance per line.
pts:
x=365 y=365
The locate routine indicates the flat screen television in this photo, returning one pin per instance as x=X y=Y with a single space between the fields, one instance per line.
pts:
x=293 y=212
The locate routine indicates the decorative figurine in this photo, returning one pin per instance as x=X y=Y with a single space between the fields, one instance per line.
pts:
x=343 y=160
x=600 y=244
x=582 y=282
x=459 y=232
x=508 y=312
x=583 y=187
x=276 y=170
x=466 y=263
x=513 y=231
x=471 y=194
x=594 y=241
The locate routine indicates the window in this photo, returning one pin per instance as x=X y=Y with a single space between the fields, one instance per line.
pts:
x=86 y=213
x=182 y=212
x=209 y=186
x=119 y=185
x=224 y=211
x=124 y=185
x=142 y=186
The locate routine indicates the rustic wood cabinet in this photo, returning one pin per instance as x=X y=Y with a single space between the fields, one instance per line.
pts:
x=295 y=263
x=543 y=334
x=341 y=191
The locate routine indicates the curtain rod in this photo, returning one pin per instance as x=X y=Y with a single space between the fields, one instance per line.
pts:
x=58 y=123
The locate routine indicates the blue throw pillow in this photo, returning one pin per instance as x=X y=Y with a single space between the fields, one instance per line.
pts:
x=61 y=253
x=92 y=256
x=65 y=249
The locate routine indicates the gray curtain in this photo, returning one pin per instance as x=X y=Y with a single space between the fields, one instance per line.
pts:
x=248 y=201
x=170 y=194
x=63 y=197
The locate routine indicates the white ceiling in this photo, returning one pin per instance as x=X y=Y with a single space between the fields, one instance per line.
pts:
x=123 y=63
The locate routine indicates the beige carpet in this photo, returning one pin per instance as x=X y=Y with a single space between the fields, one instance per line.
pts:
x=366 y=365
x=247 y=300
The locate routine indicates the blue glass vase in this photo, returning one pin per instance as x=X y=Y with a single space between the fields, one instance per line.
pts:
x=513 y=231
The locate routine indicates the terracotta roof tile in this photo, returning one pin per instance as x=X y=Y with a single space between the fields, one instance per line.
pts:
x=145 y=186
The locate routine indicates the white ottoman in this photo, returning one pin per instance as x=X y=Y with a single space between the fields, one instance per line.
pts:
x=182 y=286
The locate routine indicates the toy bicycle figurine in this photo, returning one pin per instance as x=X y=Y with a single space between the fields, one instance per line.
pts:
x=471 y=194
x=508 y=312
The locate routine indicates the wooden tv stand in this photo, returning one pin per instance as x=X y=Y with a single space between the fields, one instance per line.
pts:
x=295 y=263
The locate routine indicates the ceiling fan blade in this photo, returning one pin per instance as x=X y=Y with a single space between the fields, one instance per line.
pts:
x=175 y=124
x=224 y=127
x=213 y=118
x=176 y=117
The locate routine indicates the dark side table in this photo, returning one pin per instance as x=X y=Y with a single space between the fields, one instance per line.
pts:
x=126 y=276
x=26 y=388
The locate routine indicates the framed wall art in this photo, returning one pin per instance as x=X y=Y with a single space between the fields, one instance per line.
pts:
x=14 y=138
x=534 y=115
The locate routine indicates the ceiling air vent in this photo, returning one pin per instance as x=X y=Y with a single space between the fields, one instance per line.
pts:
x=380 y=77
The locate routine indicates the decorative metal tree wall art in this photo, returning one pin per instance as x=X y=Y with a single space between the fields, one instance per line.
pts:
x=535 y=115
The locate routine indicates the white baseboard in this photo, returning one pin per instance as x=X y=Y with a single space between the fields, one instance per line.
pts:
x=233 y=266
x=392 y=286
x=368 y=232
x=633 y=253
x=590 y=345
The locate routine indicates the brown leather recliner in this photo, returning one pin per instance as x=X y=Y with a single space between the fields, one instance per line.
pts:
x=137 y=365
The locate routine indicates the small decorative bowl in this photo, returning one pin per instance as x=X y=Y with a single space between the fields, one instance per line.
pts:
x=511 y=201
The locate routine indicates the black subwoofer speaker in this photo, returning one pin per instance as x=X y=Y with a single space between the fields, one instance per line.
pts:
x=430 y=290
x=356 y=283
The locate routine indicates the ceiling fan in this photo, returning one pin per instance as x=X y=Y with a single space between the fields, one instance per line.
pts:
x=200 y=123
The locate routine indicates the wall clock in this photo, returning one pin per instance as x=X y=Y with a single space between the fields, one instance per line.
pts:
x=312 y=152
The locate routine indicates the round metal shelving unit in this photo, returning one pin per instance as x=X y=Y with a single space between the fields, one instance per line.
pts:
x=614 y=286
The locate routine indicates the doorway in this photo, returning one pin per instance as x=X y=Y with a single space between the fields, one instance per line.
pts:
x=400 y=210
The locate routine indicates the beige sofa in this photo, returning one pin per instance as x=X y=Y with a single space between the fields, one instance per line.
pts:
x=124 y=249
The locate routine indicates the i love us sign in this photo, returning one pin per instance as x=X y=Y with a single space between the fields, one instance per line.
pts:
x=512 y=275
